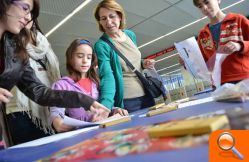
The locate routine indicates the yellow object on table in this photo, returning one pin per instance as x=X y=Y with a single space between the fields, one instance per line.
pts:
x=163 y=109
x=189 y=127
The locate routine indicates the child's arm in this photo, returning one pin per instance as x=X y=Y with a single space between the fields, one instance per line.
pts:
x=240 y=46
x=57 y=114
x=245 y=34
x=59 y=126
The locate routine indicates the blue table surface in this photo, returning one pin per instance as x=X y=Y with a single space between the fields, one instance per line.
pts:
x=194 y=154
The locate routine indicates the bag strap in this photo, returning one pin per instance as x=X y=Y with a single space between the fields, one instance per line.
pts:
x=41 y=63
x=128 y=63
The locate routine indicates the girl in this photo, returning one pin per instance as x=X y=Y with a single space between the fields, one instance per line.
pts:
x=81 y=65
x=15 y=68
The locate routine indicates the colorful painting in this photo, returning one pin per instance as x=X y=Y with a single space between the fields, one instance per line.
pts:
x=121 y=143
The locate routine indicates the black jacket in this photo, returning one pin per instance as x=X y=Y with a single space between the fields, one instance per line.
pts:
x=17 y=73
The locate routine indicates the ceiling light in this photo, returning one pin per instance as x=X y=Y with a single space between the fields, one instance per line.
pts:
x=167 y=57
x=68 y=17
x=171 y=72
x=194 y=22
x=168 y=67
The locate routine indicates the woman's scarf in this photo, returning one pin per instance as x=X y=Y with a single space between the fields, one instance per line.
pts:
x=39 y=114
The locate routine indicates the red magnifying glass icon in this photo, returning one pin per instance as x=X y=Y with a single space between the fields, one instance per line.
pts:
x=226 y=142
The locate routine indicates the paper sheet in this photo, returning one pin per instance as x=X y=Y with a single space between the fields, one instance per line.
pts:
x=195 y=102
x=72 y=122
x=77 y=123
x=216 y=73
x=82 y=124
x=53 y=138
x=190 y=52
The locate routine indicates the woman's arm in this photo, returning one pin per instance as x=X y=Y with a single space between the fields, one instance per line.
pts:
x=31 y=86
x=76 y=113
x=107 y=80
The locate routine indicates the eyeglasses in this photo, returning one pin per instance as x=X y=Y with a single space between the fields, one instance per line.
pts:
x=25 y=7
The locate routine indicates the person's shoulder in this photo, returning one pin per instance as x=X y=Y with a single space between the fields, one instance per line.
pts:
x=131 y=35
x=40 y=37
x=100 y=43
x=9 y=39
x=64 y=81
x=129 y=32
x=203 y=29
x=101 y=46
x=233 y=16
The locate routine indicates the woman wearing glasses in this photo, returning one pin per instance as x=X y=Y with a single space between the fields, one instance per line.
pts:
x=15 y=69
x=119 y=86
x=25 y=116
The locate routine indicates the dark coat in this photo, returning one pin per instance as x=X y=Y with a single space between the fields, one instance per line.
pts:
x=20 y=74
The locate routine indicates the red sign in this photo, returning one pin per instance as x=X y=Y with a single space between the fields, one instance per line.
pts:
x=167 y=50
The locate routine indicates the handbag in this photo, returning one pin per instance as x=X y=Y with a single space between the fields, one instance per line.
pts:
x=152 y=86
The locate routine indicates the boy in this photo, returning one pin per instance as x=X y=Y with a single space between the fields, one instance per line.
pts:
x=228 y=34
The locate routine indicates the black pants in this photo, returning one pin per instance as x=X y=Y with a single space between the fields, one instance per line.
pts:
x=22 y=128
x=138 y=103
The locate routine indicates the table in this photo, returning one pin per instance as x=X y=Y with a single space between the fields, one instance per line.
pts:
x=195 y=154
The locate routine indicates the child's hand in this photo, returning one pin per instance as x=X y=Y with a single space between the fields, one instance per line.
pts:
x=229 y=48
x=60 y=126
x=5 y=95
x=149 y=64
x=181 y=62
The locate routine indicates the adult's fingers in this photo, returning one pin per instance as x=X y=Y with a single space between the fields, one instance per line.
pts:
x=100 y=110
x=123 y=112
x=120 y=111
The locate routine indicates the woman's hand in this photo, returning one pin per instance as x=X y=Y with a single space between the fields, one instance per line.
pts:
x=149 y=64
x=229 y=48
x=60 y=126
x=99 y=111
x=5 y=95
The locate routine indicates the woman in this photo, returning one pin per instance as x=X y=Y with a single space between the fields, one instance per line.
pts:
x=15 y=68
x=119 y=86
x=33 y=124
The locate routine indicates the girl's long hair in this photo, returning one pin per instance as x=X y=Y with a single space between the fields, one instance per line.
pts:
x=92 y=72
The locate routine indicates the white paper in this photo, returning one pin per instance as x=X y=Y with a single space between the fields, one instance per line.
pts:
x=216 y=73
x=196 y=102
x=54 y=138
x=77 y=123
x=190 y=52
x=81 y=124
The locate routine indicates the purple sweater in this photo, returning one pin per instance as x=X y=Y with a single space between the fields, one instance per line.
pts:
x=67 y=83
